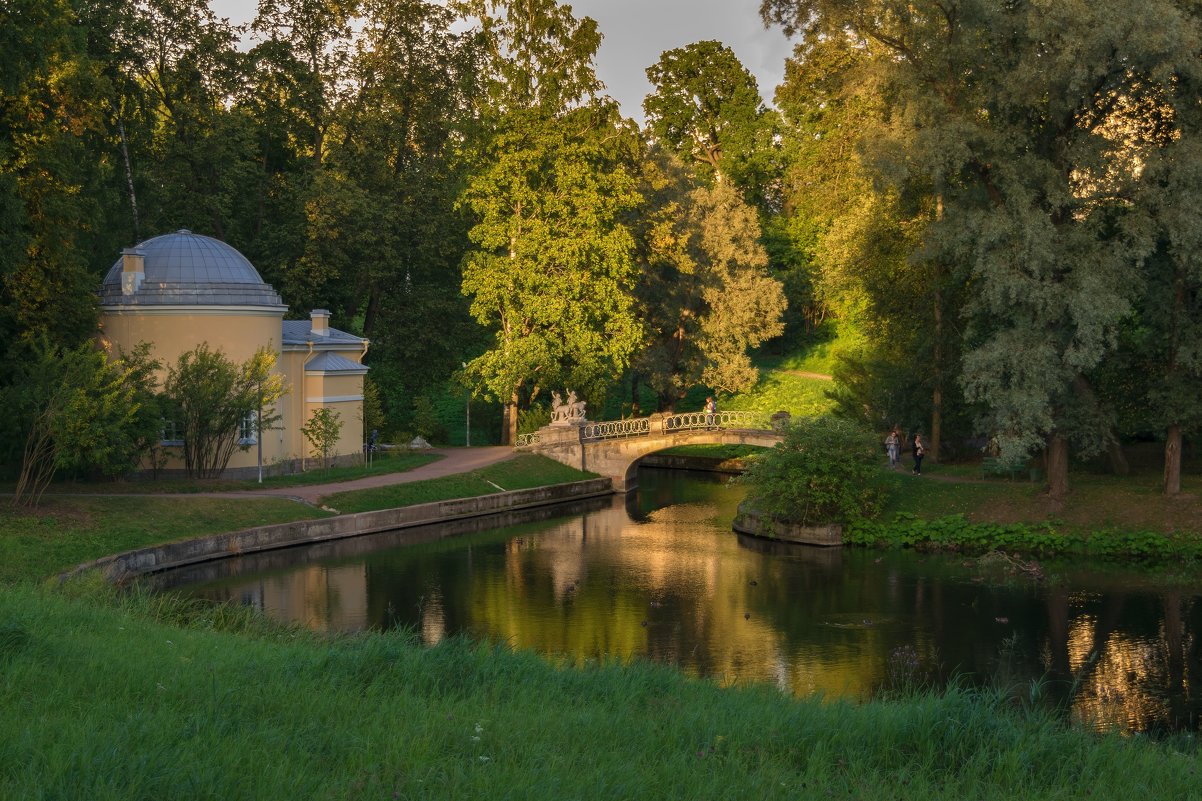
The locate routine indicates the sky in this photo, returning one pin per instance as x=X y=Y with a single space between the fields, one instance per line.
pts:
x=637 y=31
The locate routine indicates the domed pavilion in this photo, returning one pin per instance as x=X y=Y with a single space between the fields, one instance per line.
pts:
x=182 y=289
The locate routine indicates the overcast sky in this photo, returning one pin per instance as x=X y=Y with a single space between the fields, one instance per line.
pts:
x=637 y=31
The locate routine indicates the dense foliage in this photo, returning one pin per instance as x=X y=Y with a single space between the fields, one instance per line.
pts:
x=955 y=533
x=996 y=206
x=80 y=412
x=821 y=473
x=209 y=397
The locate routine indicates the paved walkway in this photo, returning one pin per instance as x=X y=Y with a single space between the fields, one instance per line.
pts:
x=455 y=460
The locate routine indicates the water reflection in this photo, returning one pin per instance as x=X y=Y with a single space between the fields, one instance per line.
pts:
x=660 y=575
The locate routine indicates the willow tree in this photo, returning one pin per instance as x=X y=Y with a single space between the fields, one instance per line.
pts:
x=552 y=270
x=1168 y=327
x=1006 y=109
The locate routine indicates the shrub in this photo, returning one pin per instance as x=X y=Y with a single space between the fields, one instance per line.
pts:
x=323 y=431
x=820 y=473
x=212 y=395
x=532 y=419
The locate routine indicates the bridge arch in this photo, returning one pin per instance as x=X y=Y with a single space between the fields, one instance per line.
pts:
x=614 y=448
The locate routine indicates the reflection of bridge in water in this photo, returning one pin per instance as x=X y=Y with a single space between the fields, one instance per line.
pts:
x=613 y=448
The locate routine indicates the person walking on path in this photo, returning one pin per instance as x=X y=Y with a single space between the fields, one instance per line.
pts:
x=893 y=448
x=919 y=450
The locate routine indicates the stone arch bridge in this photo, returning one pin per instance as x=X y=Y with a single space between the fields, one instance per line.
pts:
x=614 y=448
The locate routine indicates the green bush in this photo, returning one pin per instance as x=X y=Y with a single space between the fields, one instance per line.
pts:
x=425 y=420
x=955 y=533
x=821 y=473
x=532 y=419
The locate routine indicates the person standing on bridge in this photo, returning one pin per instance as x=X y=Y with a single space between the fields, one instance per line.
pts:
x=711 y=411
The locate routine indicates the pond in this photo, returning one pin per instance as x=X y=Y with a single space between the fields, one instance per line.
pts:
x=660 y=575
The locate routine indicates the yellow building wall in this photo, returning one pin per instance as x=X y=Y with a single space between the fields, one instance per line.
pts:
x=322 y=390
x=238 y=333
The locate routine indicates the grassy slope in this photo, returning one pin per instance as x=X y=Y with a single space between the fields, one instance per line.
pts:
x=103 y=703
x=67 y=531
x=382 y=464
x=520 y=472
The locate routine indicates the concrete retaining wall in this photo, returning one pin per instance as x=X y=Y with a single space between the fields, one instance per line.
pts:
x=122 y=566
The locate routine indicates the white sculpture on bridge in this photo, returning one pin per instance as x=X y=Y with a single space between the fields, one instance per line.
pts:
x=566 y=413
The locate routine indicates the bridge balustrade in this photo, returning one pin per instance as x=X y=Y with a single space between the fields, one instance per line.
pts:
x=613 y=429
x=735 y=419
x=647 y=426
x=527 y=440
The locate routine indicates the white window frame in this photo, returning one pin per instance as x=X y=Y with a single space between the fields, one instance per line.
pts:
x=169 y=433
x=247 y=434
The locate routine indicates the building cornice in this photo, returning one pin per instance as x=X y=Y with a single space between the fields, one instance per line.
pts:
x=202 y=311
x=334 y=399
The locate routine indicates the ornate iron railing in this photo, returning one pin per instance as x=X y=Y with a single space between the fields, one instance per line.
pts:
x=612 y=429
x=641 y=426
x=527 y=440
x=694 y=420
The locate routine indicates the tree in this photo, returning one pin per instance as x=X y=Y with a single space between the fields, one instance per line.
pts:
x=552 y=269
x=704 y=291
x=1163 y=339
x=79 y=411
x=212 y=396
x=706 y=108
x=51 y=178
x=322 y=431
x=1004 y=111
x=383 y=239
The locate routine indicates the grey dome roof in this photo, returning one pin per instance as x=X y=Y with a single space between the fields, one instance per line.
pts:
x=187 y=269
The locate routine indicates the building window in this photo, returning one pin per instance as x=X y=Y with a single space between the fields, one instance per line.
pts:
x=170 y=433
x=246 y=429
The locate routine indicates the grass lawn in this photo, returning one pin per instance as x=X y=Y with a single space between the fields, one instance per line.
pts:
x=105 y=701
x=68 y=530
x=1094 y=502
x=136 y=696
x=521 y=472
x=64 y=532
x=717 y=451
x=385 y=462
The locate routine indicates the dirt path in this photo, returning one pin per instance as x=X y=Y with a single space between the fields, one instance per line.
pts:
x=807 y=374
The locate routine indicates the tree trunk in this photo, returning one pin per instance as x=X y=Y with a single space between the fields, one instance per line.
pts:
x=936 y=397
x=1172 y=461
x=937 y=393
x=634 y=395
x=506 y=413
x=129 y=179
x=1117 y=459
x=509 y=434
x=1057 y=463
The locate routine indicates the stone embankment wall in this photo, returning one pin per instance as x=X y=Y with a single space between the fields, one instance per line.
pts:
x=120 y=567
x=707 y=463
x=751 y=521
